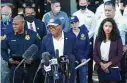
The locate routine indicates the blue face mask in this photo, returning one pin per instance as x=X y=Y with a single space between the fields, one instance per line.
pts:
x=5 y=18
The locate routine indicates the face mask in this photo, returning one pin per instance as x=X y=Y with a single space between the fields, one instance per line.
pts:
x=83 y=7
x=5 y=18
x=106 y=0
x=30 y=18
x=57 y=9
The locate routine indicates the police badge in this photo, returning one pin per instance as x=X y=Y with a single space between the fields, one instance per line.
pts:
x=83 y=37
x=27 y=37
x=3 y=37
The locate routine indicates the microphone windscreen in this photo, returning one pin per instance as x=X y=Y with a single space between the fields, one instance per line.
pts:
x=46 y=57
x=30 y=51
x=57 y=53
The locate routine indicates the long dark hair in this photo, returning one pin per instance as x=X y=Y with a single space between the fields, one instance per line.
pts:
x=114 y=33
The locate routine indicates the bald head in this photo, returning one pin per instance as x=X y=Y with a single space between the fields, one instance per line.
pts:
x=18 y=24
x=6 y=10
x=18 y=18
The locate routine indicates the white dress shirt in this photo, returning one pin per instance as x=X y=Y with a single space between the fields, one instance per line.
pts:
x=104 y=48
x=59 y=44
x=88 y=19
x=33 y=25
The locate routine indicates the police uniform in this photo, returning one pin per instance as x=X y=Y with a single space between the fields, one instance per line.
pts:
x=18 y=44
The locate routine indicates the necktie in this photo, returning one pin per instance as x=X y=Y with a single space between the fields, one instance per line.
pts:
x=31 y=26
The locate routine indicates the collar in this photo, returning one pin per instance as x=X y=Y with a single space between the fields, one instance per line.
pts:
x=53 y=14
x=62 y=37
x=86 y=11
x=25 y=33
x=30 y=23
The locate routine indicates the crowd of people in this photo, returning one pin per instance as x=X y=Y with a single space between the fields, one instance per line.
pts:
x=97 y=30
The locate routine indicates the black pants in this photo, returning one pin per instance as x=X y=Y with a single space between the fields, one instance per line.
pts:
x=23 y=75
x=124 y=68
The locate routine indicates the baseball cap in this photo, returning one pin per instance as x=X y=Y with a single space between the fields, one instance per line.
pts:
x=74 y=19
x=54 y=22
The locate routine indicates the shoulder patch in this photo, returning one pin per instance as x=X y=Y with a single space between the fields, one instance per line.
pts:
x=3 y=37
x=38 y=36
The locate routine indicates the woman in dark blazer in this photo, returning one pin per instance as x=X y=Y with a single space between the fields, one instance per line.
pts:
x=108 y=50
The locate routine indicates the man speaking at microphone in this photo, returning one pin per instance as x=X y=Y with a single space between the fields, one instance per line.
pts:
x=58 y=40
x=18 y=42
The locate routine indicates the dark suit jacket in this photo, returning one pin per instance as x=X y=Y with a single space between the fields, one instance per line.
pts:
x=115 y=53
x=69 y=45
x=40 y=28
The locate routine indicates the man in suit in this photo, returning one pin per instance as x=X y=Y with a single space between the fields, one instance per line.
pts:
x=34 y=24
x=58 y=40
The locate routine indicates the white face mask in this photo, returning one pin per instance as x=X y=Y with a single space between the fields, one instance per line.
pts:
x=57 y=9
x=106 y=0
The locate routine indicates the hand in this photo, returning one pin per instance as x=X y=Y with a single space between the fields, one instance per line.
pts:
x=106 y=65
x=102 y=66
x=29 y=61
x=13 y=61
x=83 y=60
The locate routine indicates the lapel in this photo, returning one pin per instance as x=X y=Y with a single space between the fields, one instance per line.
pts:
x=65 y=43
x=50 y=45
x=36 y=26
x=110 y=49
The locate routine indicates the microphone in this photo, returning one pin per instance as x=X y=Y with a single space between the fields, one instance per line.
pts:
x=46 y=57
x=30 y=51
x=45 y=60
x=28 y=54
x=80 y=65
x=57 y=53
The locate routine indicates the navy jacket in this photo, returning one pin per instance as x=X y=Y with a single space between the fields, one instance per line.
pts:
x=40 y=28
x=6 y=28
x=82 y=43
x=69 y=45
x=19 y=43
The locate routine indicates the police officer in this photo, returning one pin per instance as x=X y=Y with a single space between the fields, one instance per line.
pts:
x=56 y=13
x=18 y=42
x=82 y=46
x=33 y=23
